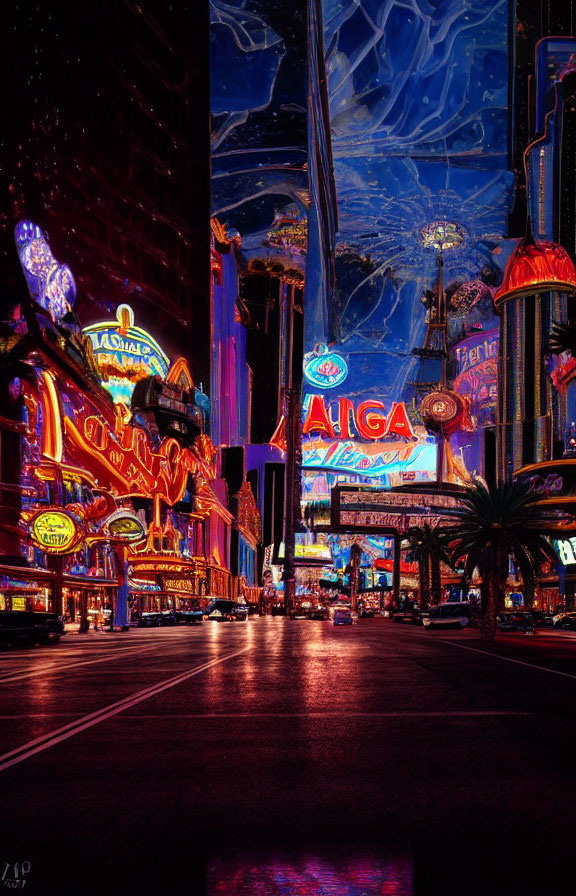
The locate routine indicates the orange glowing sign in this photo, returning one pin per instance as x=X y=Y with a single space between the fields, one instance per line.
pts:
x=123 y=459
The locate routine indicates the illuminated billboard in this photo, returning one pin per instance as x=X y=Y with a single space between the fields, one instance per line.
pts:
x=366 y=439
x=477 y=374
x=312 y=548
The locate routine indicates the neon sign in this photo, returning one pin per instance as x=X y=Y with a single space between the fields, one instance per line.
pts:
x=477 y=377
x=125 y=525
x=125 y=354
x=125 y=462
x=368 y=419
x=413 y=460
x=121 y=457
x=184 y=585
x=324 y=368
x=333 y=428
x=50 y=283
x=55 y=531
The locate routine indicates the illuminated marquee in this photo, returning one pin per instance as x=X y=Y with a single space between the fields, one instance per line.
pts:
x=183 y=585
x=125 y=354
x=155 y=563
x=55 y=531
x=354 y=509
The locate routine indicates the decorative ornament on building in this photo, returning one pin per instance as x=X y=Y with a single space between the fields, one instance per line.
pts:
x=288 y=234
x=324 y=368
x=442 y=235
x=536 y=266
x=443 y=411
x=467 y=296
x=247 y=514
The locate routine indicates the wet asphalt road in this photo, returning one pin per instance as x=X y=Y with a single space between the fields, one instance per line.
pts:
x=147 y=757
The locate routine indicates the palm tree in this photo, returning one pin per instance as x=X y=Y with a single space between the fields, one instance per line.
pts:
x=496 y=523
x=562 y=338
x=427 y=546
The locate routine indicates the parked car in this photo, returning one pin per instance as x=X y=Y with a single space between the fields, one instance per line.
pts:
x=220 y=610
x=566 y=621
x=540 y=617
x=407 y=616
x=319 y=612
x=193 y=616
x=515 y=621
x=149 y=619
x=25 y=627
x=366 y=613
x=156 y=618
x=301 y=611
x=342 y=616
x=413 y=617
x=240 y=613
x=452 y=614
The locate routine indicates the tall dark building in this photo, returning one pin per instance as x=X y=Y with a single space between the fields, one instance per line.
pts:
x=108 y=151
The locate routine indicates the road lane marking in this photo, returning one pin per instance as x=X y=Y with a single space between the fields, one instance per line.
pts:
x=94 y=718
x=424 y=714
x=49 y=668
x=508 y=659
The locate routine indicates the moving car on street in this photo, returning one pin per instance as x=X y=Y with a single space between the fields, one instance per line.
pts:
x=240 y=612
x=342 y=616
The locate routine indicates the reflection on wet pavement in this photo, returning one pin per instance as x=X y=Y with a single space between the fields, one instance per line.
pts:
x=287 y=874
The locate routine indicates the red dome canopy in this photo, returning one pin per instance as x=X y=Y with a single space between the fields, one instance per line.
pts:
x=536 y=264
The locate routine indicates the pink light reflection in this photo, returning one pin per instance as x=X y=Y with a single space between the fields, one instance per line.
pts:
x=310 y=875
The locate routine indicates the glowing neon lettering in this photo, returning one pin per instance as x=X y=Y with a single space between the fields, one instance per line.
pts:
x=317 y=419
x=369 y=420
x=345 y=408
x=398 y=421
x=125 y=354
x=370 y=423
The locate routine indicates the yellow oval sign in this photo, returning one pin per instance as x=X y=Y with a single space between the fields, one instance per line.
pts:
x=127 y=527
x=54 y=531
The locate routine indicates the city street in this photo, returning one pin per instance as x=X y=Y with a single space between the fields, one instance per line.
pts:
x=147 y=756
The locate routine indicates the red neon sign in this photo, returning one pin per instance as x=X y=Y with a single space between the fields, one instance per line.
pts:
x=369 y=419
